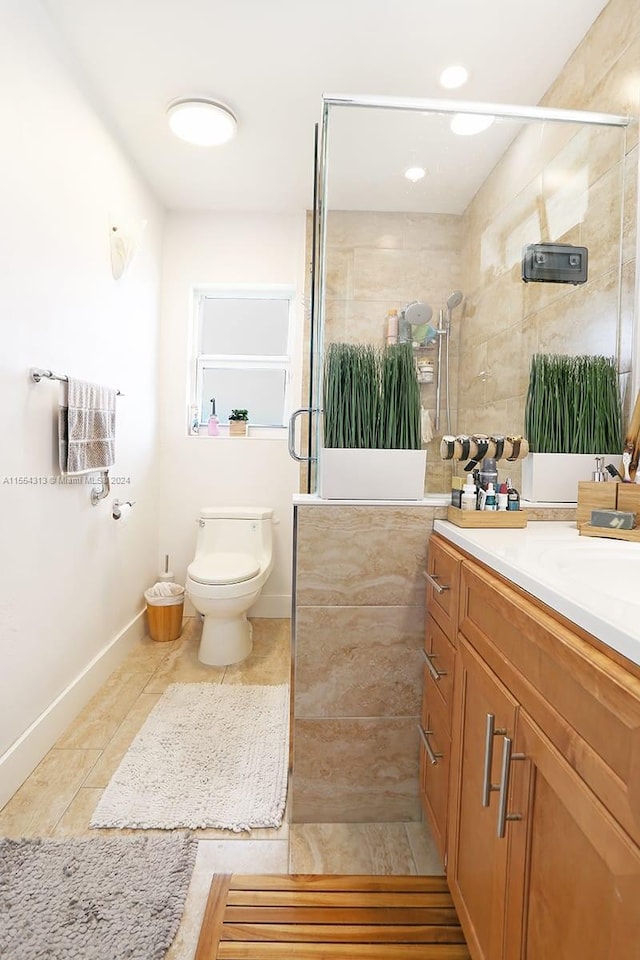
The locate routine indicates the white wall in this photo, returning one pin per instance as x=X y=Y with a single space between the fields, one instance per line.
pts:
x=202 y=471
x=71 y=578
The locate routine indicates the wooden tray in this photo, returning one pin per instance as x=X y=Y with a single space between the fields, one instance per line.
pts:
x=487 y=519
x=586 y=530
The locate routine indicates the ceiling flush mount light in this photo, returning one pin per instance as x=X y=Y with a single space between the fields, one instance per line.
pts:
x=466 y=124
x=415 y=173
x=453 y=77
x=206 y=123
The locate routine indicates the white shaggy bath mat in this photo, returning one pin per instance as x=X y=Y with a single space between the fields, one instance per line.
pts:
x=208 y=755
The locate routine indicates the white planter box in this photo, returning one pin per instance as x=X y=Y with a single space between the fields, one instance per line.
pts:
x=371 y=474
x=553 y=477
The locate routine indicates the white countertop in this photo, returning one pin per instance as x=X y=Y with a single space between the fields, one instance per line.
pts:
x=593 y=581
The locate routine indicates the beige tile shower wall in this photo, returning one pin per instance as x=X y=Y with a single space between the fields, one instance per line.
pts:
x=358 y=670
x=381 y=261
x=556 y=184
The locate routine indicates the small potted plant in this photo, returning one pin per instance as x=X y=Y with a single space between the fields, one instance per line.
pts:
x=238 y=423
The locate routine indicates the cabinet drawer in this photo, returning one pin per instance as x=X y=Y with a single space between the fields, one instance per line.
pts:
x=434 y=768
x=440 y=661
x=443 y=578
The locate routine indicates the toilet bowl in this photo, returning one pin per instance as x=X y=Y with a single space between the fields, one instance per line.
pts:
x=233 y=560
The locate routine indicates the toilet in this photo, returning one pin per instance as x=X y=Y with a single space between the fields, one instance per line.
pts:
x=234 y=557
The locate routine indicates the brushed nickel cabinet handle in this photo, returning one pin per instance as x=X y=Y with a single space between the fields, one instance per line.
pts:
x=432 y=578
x=490 y=732
x=424 y=735
x=435 y=673
x=503 y=816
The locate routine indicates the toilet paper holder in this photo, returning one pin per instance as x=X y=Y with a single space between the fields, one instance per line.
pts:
x=116 y=512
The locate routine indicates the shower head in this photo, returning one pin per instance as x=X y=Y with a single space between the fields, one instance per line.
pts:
x=455 y=299
x=417 y=313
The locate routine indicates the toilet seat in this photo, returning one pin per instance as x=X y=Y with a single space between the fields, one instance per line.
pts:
x=223 y=568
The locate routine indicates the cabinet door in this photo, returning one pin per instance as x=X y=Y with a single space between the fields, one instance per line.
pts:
x=484 y=714
x=573 y=890
x=443 y=583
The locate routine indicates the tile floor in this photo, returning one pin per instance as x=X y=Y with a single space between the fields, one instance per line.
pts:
x=58 y=798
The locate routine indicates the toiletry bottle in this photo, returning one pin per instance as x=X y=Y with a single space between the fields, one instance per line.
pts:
x=194 y=420
x=404 y=329
x=392 y=326
x=513 y=499
x=214 y=424
x=469 y=499
x=490 y=498
x=425 y=371
x=488 y=473
x=598 y=474
x=503 y=496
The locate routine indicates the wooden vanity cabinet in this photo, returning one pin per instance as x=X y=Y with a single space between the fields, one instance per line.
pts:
x=544 y=766
x=442 y=591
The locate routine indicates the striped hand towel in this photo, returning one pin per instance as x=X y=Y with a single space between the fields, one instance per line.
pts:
x=86 y=427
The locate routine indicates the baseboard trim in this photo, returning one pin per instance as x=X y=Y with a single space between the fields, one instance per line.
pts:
x=23 y=756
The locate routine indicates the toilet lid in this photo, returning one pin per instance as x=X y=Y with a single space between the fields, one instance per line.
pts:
x=223 y=568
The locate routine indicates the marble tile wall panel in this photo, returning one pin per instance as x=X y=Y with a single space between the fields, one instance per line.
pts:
x=359 y=661
x=369 y=555
x=355 y=770
x=600 y=228
x=432 y=231
x=403 y=275
x=613 y=31
x=586 y=324
x=383 y=231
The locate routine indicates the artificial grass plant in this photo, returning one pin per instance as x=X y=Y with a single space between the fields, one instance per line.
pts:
x=573 y=405
x=371 y=397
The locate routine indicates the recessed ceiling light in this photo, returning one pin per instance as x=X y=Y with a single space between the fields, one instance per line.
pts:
x=206 y=123
x=453 y=77
x=466 y=124
x=415 y=173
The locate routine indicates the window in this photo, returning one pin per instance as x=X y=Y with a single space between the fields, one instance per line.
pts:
x=243 y=353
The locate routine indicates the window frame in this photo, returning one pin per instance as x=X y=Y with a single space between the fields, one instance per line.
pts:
x=201 y=362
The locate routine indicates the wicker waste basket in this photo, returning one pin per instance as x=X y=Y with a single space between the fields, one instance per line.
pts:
x=165 y=608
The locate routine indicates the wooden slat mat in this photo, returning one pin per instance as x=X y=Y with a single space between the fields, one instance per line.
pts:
x=308 y=917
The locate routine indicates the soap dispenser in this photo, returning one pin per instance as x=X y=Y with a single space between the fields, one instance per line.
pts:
x=213 y=428
x=469 y=499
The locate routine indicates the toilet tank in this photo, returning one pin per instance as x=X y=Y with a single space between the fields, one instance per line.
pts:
x=236 y=530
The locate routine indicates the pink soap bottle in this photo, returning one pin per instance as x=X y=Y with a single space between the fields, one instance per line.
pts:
x=213 y=428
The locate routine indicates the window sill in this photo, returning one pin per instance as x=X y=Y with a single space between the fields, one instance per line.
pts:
x=253 y=433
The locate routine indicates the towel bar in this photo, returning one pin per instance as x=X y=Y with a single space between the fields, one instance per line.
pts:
x=36 y=374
